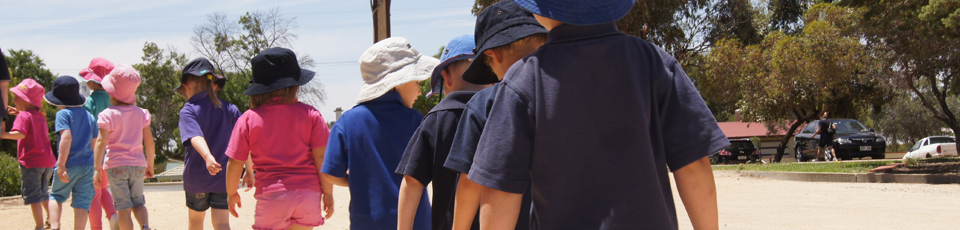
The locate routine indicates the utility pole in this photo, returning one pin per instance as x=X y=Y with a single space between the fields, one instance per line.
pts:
x=381 y=19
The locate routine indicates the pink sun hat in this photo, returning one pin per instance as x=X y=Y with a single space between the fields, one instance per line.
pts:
x=98 y=68
x=122 y=83
x=30 y=91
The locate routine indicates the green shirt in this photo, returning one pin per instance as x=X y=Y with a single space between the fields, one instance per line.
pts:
x=97 y=102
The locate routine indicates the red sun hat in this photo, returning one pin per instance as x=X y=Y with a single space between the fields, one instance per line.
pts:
x=122 y=83
x=97 y=70
x=30 y=91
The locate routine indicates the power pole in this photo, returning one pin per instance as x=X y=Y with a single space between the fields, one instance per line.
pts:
x=381 y=19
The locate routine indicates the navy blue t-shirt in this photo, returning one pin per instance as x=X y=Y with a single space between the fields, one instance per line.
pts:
x=591 y=122
x=826 y=137
x=428 y=149
x=369 y=140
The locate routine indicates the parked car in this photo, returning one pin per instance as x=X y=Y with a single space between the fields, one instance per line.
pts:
x=740 y=151
x=852 y=139
x=933 y=146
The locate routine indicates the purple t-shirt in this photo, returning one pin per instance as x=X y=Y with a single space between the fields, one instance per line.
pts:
x=199 y=118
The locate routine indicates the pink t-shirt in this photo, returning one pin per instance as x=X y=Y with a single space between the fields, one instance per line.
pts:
x=279 y=138
x=33 y=151
x=125 y=142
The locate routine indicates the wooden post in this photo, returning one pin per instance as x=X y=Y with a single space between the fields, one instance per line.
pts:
x=381 y=19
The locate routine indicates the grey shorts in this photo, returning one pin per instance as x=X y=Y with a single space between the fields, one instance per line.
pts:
x=202 y=201
x=35 y=184
x=126 y=185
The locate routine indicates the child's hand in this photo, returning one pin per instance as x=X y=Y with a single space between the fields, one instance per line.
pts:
x=96 y=179
x=247 y=181
x=328 y=205
x=213 y=167
x=231 y=200
x=62 y=173
x=12 y=110
x=149 y=172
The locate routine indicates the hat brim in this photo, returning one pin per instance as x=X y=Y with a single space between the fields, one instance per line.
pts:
x=112 y=90
x=436 y=80
x=75 y=101
x=22 y=95
x=579 y=12
x=479 y=73
x=419 y=70
x=257 y=88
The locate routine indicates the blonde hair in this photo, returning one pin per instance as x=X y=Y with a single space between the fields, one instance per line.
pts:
x=537 y=39
x=283 y=96
x=205 y=84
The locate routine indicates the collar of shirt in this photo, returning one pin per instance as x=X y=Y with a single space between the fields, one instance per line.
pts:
x=100 y=92
x=197 y=97
x=455 y=100
x=389 y=97
x=567 y=32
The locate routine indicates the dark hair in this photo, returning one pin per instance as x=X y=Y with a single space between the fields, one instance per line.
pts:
x=284 y=95
x=205 y=83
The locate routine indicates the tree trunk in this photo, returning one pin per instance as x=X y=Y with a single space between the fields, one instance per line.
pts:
x=786 y=139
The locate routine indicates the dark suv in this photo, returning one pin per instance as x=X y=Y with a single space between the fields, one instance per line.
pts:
x=740 y=150
x=853 y=139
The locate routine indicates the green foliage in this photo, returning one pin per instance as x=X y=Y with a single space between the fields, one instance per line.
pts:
x=906 y=121
x=160 y=71
x=25 y=64
x=9 y=175
x=424 y=104
x=839 y=167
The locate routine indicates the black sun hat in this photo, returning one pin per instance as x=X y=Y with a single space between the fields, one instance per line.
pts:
x=276 y=68
x=200 y=67
x=65 y=92
x=498 y=25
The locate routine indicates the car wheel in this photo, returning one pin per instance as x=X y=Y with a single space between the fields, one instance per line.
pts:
x=928 y=155
x=798 y=153
x=715 y=159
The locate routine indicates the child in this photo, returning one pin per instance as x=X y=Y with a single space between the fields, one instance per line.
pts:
x=96 y=103
x=593 y=121
x=205 y=125
x=498 y=50
x=78 y=131
x=33 y=147
x=369 y=139
x=423 y=158
x=285 y=139
x=125 y=135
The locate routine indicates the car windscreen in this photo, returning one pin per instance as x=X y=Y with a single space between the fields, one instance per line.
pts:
x=741 y=145
x=939 y=140
x=850 y=126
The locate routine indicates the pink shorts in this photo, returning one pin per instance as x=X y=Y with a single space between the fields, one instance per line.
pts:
x=281 y=210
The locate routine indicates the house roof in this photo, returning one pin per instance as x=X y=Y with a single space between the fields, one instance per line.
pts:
x=747 y=129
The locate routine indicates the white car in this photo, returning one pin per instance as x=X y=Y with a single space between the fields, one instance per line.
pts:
x=933 y=146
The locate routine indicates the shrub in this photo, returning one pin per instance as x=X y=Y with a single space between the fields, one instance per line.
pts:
x=9 y=176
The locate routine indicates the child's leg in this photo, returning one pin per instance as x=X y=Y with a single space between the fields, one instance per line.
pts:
x=196 y=219
x=94 y=216
x=37 y=211
x=83 y=193
x=80 y=219
x=140 y=212
x=136 y=196
x=120 y=189
x=220 y=219
x=55 y=211
x=298 y=227
x=126 y=222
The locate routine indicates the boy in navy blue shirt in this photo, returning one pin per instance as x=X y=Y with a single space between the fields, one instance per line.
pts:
x=592 y=122
x=505 y=33
x=423 y=159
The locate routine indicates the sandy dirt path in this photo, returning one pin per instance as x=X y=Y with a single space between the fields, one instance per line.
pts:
x=745 y=203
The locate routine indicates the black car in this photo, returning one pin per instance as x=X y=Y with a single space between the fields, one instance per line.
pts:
x=739 y=151
x=852 y=139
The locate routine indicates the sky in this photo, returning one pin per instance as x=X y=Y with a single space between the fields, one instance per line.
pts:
x=68 y=34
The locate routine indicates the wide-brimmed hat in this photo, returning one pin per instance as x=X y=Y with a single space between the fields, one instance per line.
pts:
x=200 y=67
x=498 y=25
x=30 y=91
x=276 y=68
x=98 y=68
x=579 y=12
x=390 y=63
x=122 y=83
x=460 y=48
x=65 y=92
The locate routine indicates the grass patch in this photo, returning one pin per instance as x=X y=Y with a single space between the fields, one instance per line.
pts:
x=841 y=167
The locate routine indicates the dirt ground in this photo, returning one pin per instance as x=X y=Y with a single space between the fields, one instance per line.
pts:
x=745 y=203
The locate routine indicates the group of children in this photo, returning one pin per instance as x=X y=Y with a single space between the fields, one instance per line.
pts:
x=585 y=123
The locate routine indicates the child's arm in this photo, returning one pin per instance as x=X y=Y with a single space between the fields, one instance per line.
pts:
x=98 y=151
x=466 y=204
x=149 y=149
x=499 y=209
x=13 y=135
x=410 y=192
x=248 y=179
x=66 y=137
x=200 y=144
x=339 y=181
x=325 y=186
x=698 y=193
x=234 y=169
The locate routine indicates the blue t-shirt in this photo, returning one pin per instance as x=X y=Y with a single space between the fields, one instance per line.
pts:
x=199 y=118
x=83 y=127
x=369 y=141
x=592 y=122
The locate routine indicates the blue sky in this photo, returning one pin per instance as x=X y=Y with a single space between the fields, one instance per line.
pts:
x=67 y=34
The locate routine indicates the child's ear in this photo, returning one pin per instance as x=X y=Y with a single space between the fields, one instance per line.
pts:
x=447 y=82
x=495 y=55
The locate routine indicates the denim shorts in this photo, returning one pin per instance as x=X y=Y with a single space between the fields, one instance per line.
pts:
x=35 y=184
x=126 y=185
x=202 y=201
x=80 y=185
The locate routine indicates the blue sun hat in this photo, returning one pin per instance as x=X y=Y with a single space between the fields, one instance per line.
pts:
x=579 y=12
x=460 y=48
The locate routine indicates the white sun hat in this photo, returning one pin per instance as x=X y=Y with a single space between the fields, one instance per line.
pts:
x=391 y=63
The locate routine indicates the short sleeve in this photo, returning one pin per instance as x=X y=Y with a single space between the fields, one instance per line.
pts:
x=239 y=146
x=62 y=121
x=465 y=139
x=506 y=145
x=146 y=118
x=690 y=132
x=417 y=158
x=335 y=161
x=103 y=120
x=21 y=123
x=188 y=125
x=88 y=105
x=320 y=133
